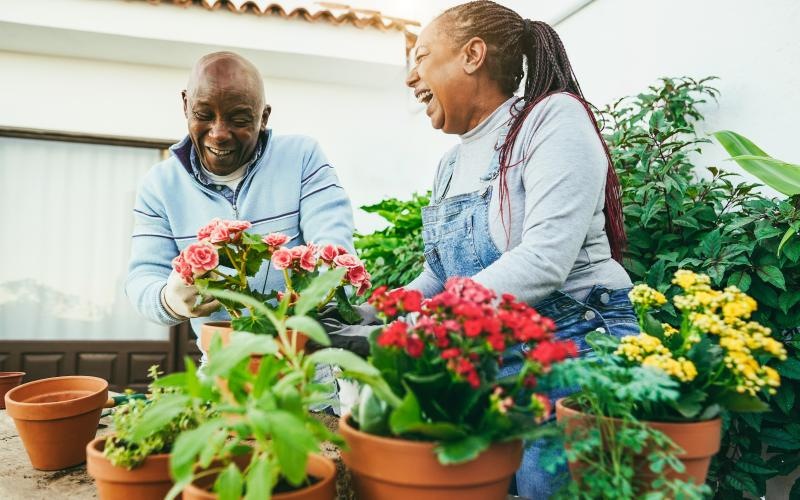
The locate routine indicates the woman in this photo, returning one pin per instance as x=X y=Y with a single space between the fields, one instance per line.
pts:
x=528 y=203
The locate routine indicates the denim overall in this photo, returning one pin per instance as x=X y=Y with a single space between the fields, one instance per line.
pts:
x=458 y=242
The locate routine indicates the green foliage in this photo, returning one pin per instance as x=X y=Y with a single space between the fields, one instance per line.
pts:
x=394 y=255
x=719 y=226
x=262 y=432
x=614 y=453
x=148 y=427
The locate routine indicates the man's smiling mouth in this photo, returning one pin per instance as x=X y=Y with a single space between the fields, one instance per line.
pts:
x=219 y=153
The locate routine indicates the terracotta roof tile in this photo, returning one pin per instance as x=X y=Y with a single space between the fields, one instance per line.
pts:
x=335 y=13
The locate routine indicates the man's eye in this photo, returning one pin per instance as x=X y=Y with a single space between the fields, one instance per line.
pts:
x=242 y=122
x=202 y=116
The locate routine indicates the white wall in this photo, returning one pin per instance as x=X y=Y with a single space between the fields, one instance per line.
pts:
x=380 y=142
x=619 y=47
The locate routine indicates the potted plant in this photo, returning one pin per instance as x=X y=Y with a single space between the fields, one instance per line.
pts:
x=714 y=361
x=225 y=255
x=56 y=417
x=435 y=419
x=262 y=442
x=134 y=461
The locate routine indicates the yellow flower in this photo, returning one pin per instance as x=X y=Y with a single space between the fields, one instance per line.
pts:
x=669 y=330
x=688 y=280
x=681 y=368
x=647 y=297
x=637 y=347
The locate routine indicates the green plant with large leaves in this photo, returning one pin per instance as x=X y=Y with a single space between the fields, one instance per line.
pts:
x=259 y=440
x=394 y=254
x=676 y=217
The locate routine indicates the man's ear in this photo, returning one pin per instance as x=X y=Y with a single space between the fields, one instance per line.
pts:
x=474 y=55
x=265 y=117
x=185 y=104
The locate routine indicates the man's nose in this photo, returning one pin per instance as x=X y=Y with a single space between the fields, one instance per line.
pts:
x=219 y=131
x=413 y=77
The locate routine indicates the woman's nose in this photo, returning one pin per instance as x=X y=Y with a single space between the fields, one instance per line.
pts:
x=413 y=77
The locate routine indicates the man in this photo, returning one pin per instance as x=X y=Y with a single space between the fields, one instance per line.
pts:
x=229 y=166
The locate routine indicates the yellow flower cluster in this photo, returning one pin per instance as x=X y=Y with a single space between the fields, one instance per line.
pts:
x=669 y=330
x=681 y=368
x=638 y=347
x=643 y=295
x=725 y=315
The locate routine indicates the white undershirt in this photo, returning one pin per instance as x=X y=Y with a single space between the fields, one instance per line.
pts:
x=231 y=180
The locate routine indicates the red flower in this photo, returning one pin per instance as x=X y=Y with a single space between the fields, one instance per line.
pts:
x=451 y=353
x=412 y=301
x=472 y=327
x=548 y=352
x=414 y=346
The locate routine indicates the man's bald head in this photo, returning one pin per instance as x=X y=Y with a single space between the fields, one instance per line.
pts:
x=232 y=70
x=225 y=110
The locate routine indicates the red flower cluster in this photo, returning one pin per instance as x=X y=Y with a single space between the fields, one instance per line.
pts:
x=220 y=232
x=309 y=257
x=465 y=325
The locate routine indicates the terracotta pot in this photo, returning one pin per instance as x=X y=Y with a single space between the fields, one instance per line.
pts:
x=699 y=440
x=8 y=380
x=318 y=466
x=388 y=469
x=148 y=481
x=57 y=417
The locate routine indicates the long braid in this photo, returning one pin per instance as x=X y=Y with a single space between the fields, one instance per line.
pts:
x=510 y=40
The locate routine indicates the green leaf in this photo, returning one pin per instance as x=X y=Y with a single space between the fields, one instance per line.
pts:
x=741 y=481
x=790 y=368
x=159 y=415
x=779 y=175
x=228 y=485
x=741 y=280
x=690 y=404
x=786 y=236
x=345 y=309
x=406 y=416
x=754 y=464
x=242 y=346
x=741 y=403
x=779 y=438
x=293 y=442
x=773 y=275
x=188 y=445
x=259 y=480
x=310 y=328
x=317 y=290
x=463 y=450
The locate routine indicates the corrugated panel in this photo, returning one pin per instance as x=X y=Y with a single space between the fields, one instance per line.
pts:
x=334 y=13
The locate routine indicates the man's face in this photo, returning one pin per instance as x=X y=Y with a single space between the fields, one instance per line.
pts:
x=225 y=116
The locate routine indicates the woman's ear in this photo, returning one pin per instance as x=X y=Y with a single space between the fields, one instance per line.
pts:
x=474 y=55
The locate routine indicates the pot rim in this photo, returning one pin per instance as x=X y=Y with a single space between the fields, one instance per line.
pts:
x=289 y=495
x=563 y=403
x=69 y=408
x=347 y=428
x=4 y=375
x=100 y=467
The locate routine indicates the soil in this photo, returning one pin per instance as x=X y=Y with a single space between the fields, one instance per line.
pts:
x=20 y=481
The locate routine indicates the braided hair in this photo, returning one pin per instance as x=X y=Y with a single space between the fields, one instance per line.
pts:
x=510 y=39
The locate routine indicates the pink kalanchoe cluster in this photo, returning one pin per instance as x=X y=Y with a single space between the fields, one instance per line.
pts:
x=309 y=257
x=465 y=325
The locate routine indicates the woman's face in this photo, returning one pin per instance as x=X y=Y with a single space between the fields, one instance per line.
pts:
x=440 y=81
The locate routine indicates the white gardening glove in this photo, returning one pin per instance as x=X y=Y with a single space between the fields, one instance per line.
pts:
x=179 y=299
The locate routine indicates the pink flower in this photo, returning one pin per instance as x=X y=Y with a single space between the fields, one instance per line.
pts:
x=365 y=286
x=275 y=240
x=184 y=269
x=282 y=258
x=357 y=275
x=297 y=252
x=237 y=225
x=308 y=259
x=347 y=260
x=201 y=256
x=205 y=231
x=328 y=253
x=220 y=234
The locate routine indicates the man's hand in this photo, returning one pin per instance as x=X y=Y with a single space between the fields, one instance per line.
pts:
x=179 y=299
